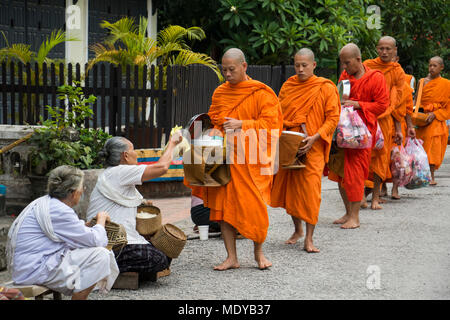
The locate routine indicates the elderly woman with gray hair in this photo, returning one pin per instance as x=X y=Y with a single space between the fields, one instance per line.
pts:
x=49 y=245
x=116 y=193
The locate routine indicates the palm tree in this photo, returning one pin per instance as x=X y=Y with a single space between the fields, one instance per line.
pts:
x=127 y=44
x=20 y=52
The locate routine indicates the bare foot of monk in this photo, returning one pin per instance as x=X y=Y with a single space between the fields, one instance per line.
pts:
x=375 y=205
x=382 y=201
x=433 y=183
x=364 y=204
x=227 y=264
x=262 y=261
x=294 y=238
x=309 y=247
x=395 y=195
x=342 y=220
x=350 y=224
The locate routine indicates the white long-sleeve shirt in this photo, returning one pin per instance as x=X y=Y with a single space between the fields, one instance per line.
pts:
x=36 y=255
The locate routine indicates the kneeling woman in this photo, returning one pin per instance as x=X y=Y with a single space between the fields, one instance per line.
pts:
x=49 y=245
x=115 y=192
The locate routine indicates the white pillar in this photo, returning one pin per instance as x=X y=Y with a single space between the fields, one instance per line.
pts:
x=77 y=27
x=152 y=21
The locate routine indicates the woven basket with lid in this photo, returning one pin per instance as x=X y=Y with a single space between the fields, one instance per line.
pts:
x=170 y=240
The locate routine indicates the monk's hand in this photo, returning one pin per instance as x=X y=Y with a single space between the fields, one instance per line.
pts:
x=411 y=132
x=351 y=103
x=398 y=138
x=309 y=140
x=232 y=124
x=431 y=117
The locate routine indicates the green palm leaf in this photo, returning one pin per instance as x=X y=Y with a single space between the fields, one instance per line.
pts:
x=56 y=37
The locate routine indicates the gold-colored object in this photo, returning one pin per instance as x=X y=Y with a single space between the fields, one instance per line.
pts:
x=289 y=143
x=117 y=236
x=149 y=226
x=419 y=119
x=15 y=143
x=170 y=240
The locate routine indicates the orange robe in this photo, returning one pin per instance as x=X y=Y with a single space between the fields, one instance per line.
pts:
x=314 y=102
x=436 y=99
x=408 y=106
x=242 y=202
x=395 y=79
x=371 y=93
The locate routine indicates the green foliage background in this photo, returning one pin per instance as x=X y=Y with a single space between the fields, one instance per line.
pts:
x=270 y=31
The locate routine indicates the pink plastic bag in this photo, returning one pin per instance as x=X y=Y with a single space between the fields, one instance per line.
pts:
x=351 y=132
x=401 y=166
x=379 y=138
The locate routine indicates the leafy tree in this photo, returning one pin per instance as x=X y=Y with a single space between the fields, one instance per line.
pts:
x=420 y=28
x=128 y=44
x=276 y=29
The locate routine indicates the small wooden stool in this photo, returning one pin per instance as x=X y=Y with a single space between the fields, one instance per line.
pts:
x=130 y=280
x=34 y=291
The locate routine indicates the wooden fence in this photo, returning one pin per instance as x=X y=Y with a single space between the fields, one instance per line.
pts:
x=129 y=100
x=135 y=103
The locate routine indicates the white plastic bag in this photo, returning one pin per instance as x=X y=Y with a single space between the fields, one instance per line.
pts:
x=351 y=132
x=422 y=173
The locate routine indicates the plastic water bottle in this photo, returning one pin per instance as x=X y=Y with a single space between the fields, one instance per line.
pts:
x=2 y=200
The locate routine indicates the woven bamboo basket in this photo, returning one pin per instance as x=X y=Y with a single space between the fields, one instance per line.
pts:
x=117 y=236
x=170 y=240
x=148 y=227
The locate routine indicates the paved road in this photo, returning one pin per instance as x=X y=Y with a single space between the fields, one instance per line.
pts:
x=404 y=249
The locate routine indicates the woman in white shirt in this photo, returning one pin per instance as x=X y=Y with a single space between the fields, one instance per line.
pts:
x=49 y=245
x=115 y=193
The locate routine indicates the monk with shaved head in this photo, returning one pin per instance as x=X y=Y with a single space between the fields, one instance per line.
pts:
x=369 y=97
x=249 y=111
x=390 y=120
x=310 y=105
x=436 y=103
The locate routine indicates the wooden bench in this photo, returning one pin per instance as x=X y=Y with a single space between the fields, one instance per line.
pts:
x=34 y=291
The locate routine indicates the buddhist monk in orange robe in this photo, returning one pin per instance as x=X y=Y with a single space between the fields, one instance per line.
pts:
x=390 y=120
x=369 y=96
x=407 y=126
x=310 y=105
x=244 y=107
x=436 y=102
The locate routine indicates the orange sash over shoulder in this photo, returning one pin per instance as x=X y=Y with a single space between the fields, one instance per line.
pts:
x=314 y=102
x=395 y=82
x=242 y=202
x=371 y=93
x=436 y=99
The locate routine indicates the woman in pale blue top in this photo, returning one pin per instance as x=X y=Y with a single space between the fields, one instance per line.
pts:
x=49 y=245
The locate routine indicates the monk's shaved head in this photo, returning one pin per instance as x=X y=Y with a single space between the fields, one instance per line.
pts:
x=350 y=58
x=387 y=49
x=234 y=66
x=352 y=50
x=438 y=60
x=306 y=53
x=388 y=39
x=234 y=54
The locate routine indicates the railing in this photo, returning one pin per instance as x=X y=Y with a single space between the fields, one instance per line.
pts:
x=141 y=104
x=130 y=101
